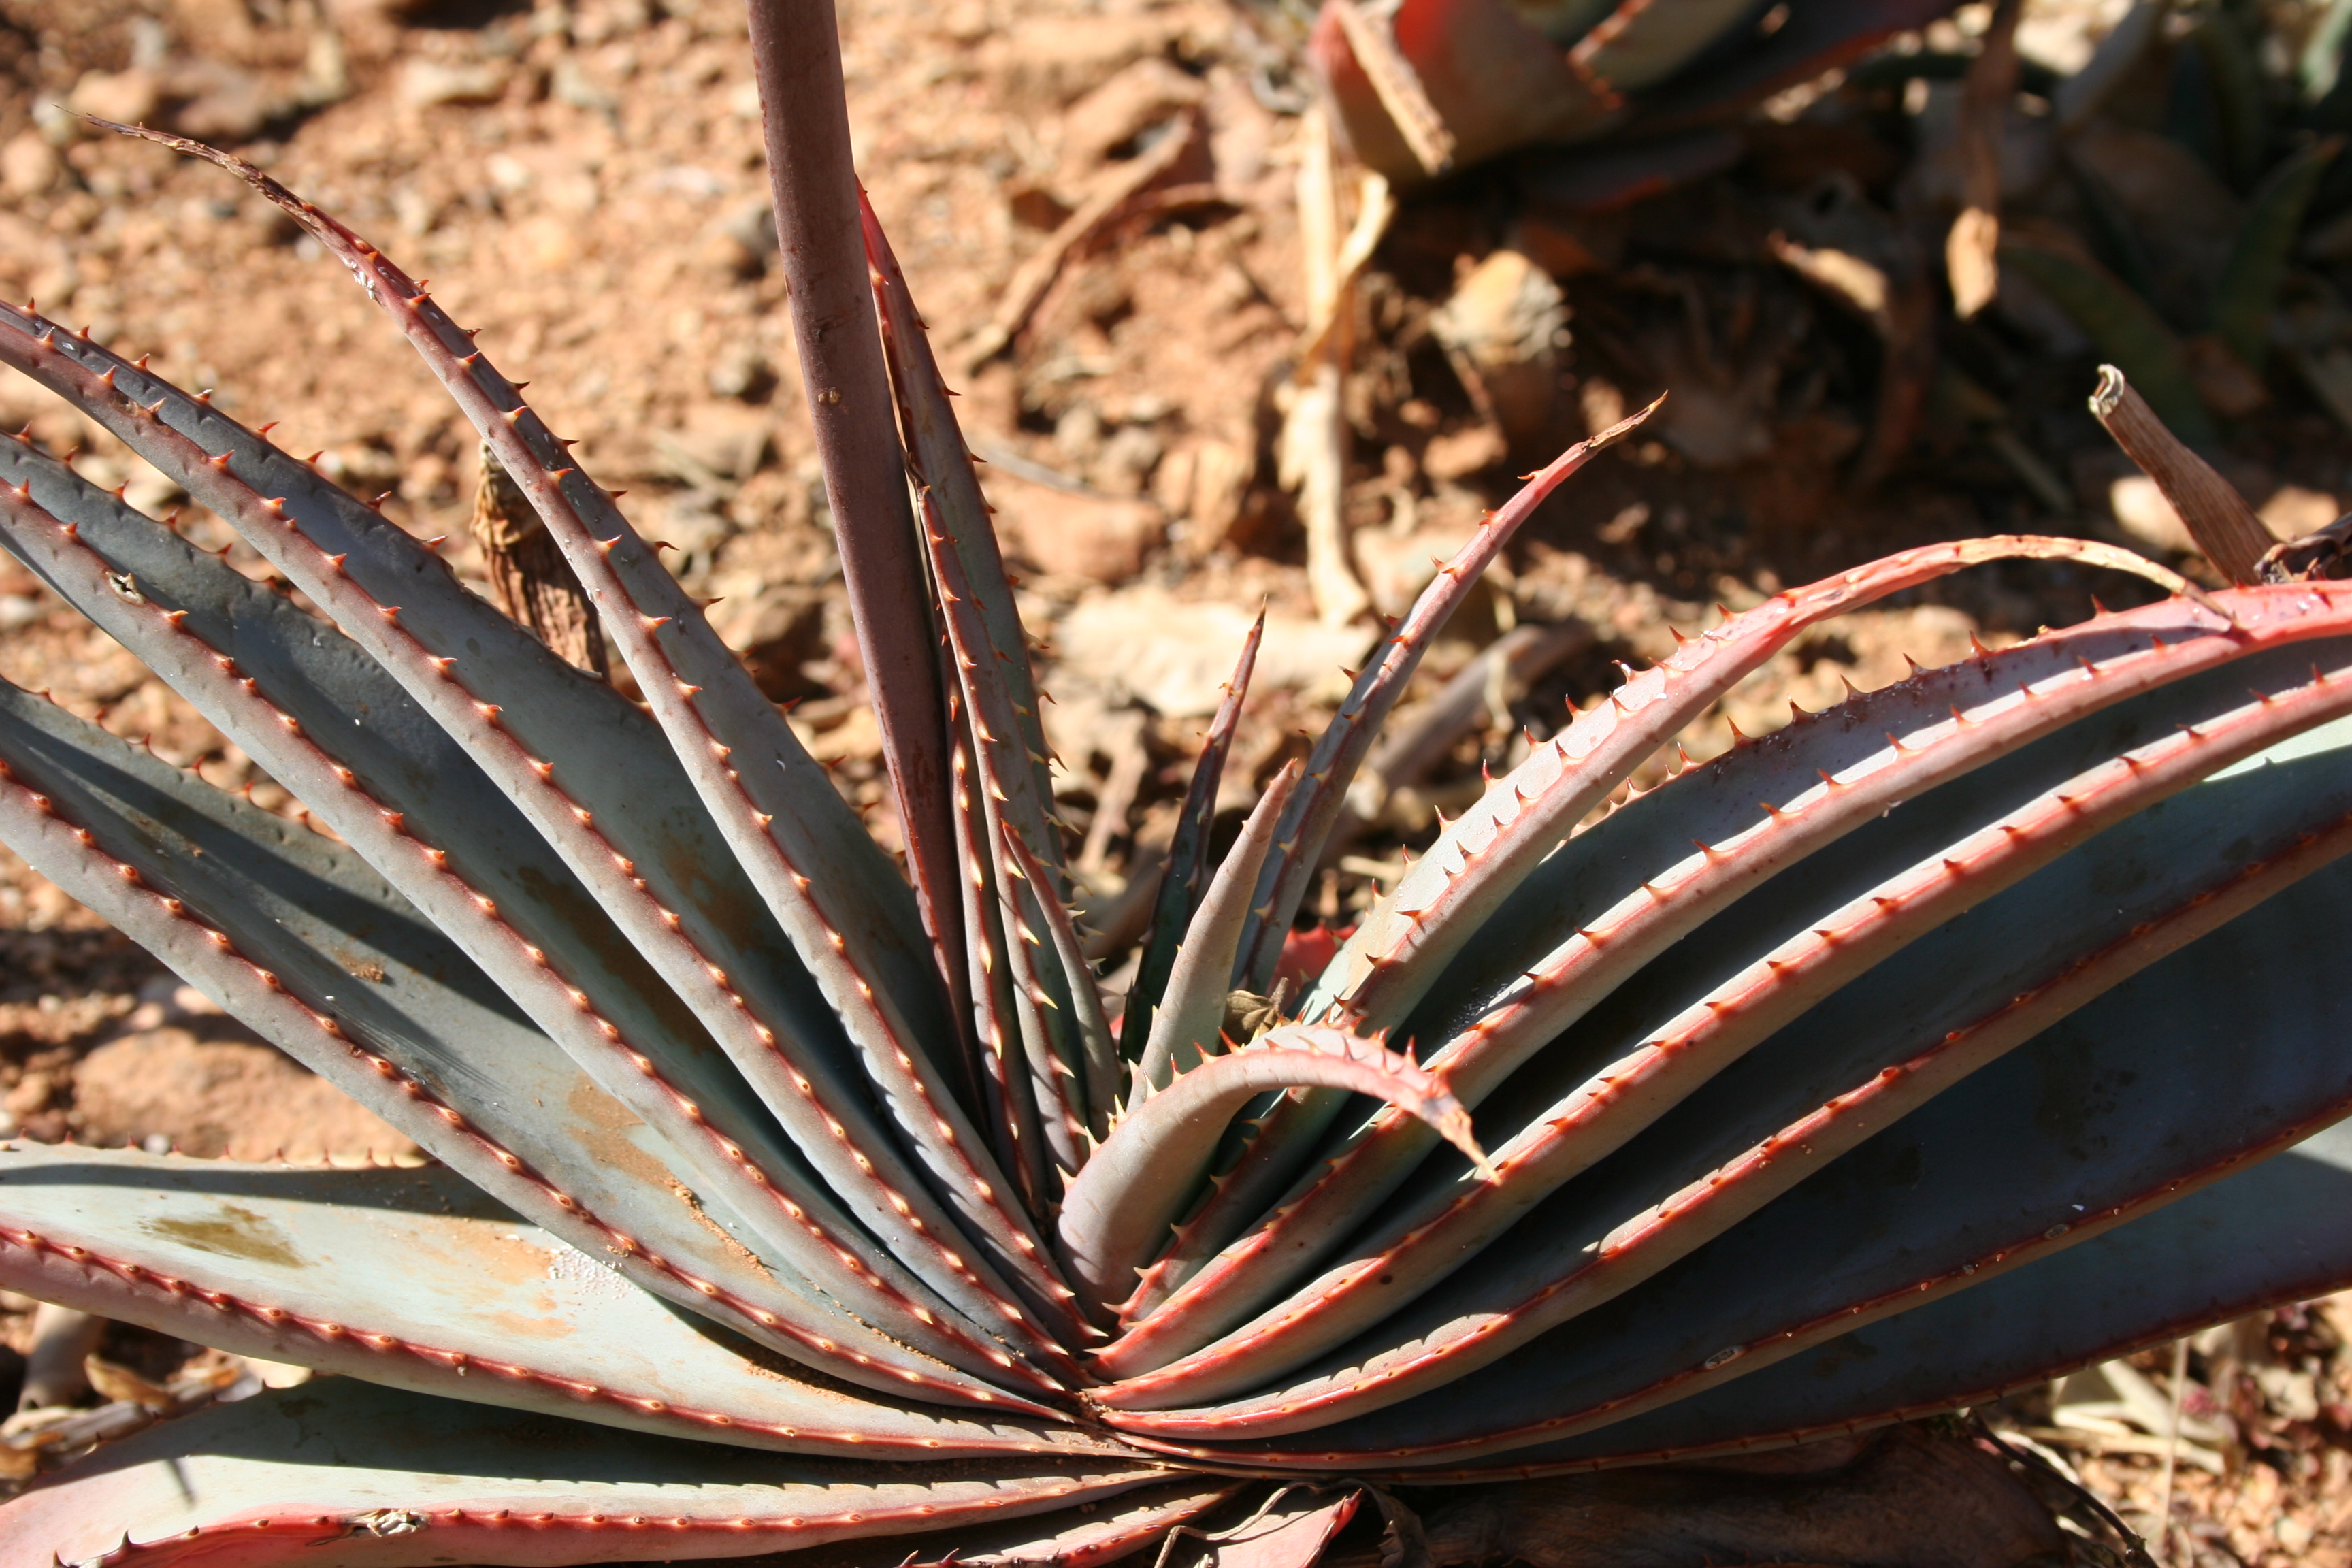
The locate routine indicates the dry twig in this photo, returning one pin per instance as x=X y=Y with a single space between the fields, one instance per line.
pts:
x=2218 y=518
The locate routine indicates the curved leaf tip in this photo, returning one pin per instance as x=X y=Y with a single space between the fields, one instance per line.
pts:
x=1391 y=1076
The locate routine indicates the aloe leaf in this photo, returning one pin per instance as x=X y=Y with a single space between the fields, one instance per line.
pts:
x=1331 y=766
x=940 y=463
x=1641 y=879
x=1072 y=1067
x=1488 y=80
x=1094 y=1532
x=1491 y=848
x=2238 y=92
x=1085 y=1536
x=1098 y=1049
x=1188 y=851
x=1414 y=1243
x=2023 y=1222
x=412 y=766
x=848 y=913
x=1289 y=1530
x=295 y=936
x=1044 y=1070
x=514 y=909
x=413 y=1278
x=2246 y=297
x=342 y=1472
x=775 y=1025
x=1117 y=1209
x=2256 y=1239
x=2113 y=233
x=1443 y=902
x=1185 y=1030
x=1006 y=1064
x=2124 y=326
x=1001 y=690
x=2124 y=899
x=1815 y=36
x=1644 y=42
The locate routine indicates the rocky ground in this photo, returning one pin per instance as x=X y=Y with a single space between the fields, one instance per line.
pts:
x=1107 y=193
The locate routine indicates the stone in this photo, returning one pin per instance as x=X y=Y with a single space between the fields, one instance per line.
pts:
x=570 y=83
x=223 y=1099
x=2141 y=511
x=28 y=164
x=1079 y=535
x=1125 y=461
x=2292 y=511
x=547 y=243
x=1397 y=566
x=1458 y=454
x=216 y=101
x=1176 y=654
x=1049 y=61
x=775 y=632
x=127 y=97
x=743 y=373
x=726 y=257
x=721 y=445
x=1134 y=100
x=425 y=84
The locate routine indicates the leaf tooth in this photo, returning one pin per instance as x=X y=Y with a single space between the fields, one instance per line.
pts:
x=415 y=1090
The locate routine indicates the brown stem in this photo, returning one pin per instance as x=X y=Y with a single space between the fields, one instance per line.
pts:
x=2218 y=518
x=796 y=57
x=534 y=584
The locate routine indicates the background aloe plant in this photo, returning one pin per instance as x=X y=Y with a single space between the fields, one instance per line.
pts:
x=1424 y=87
x=1973 y=1029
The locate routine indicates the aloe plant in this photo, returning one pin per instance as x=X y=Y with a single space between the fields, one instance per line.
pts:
x=1425 y=87
x=1972 y=1030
